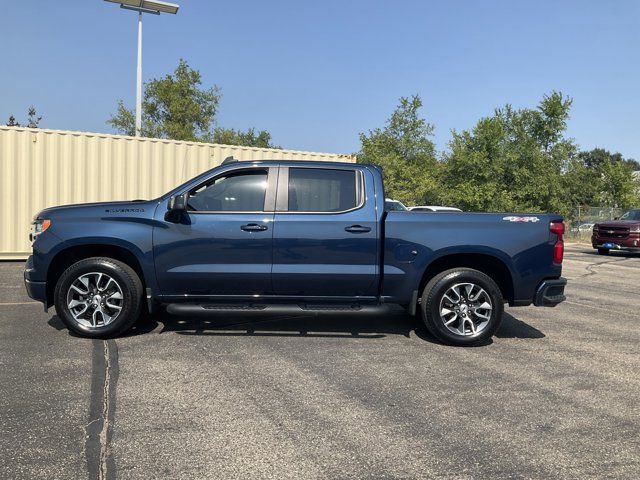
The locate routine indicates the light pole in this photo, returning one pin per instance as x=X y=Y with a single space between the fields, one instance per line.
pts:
x=143 y=6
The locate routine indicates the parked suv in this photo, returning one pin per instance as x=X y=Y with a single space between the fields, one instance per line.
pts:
x=620 y=234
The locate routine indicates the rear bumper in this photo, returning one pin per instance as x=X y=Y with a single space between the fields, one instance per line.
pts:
x=550 y=293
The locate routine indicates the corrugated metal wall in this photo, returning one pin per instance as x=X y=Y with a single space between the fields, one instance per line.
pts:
x=41 y=168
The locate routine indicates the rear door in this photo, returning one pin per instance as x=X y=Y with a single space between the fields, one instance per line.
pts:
x=325 y=233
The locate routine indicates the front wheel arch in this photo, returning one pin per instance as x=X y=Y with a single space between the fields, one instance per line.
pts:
x=122 y=280
x=67 y=257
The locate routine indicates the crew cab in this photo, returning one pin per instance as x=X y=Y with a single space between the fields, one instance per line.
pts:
x=294 y=236
x=620 y=234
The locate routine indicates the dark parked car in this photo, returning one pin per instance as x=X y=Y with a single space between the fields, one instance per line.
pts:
x=290 y=236
x=620 y=234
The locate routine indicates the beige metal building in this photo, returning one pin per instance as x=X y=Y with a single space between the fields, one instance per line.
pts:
x=41 y=168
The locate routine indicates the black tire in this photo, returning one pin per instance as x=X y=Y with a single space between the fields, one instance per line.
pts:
x=433 y=295
x=125 y=277
x=603 y=251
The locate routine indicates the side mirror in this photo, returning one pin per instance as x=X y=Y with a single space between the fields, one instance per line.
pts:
x=176 y=207
x=178 y=203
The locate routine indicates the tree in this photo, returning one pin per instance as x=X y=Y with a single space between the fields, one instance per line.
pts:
x=230 y=136
x=582 y=183
x=406 y=153
x=513 y=160
x=598 y=156
x=599 y=177
x=33 y=120
x=619 y=188
x=176 y=106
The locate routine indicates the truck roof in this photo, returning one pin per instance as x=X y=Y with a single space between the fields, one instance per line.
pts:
x=322 y=163
x=232 y=162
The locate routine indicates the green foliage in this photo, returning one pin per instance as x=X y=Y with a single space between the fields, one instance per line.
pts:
x=406 y=153
x=230 y=136
x=513 y=160
x=124 y=121
x=174 y=106
x=581 y=183
x=177 y=107
x=618 y=186
x=33 y=120
x=598 y=177
x=598 y=156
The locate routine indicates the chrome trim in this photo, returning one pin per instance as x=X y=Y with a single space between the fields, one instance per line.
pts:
x=270 y=297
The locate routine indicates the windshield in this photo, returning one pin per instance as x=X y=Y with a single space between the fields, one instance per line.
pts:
x=631 y=215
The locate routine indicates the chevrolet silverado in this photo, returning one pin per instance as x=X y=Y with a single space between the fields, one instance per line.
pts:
x=295 y=236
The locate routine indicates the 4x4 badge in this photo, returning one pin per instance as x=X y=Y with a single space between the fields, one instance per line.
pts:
x=521 y=219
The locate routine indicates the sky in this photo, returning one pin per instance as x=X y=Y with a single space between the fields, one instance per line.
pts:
x=317 y=73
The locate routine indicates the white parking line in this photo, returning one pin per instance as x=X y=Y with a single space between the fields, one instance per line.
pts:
x=6 y=304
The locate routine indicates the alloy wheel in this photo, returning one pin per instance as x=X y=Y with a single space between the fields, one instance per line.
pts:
x=95 y=300
x=465 y=309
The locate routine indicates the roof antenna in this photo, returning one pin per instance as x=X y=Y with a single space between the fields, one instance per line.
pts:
x=228 y=160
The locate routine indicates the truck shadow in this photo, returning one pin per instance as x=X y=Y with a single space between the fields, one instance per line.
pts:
x=320 y=325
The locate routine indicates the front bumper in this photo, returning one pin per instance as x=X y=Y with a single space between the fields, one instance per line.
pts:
x=550 y=293
x=611 y=245
x=36 y=290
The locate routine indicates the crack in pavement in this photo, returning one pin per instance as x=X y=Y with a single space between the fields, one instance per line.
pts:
x=102 y=405
x=590 y=267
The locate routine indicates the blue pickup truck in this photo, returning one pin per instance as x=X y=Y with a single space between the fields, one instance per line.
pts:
x=285 y=235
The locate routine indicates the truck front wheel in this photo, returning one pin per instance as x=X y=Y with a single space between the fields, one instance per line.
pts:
x=98 y=297
x=462 y=307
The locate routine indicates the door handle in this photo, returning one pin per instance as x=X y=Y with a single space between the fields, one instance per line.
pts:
x=253 y=227
x=357 y=229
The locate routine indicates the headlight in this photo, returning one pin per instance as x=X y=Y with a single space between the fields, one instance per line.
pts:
x=635 y=229
x=38 y=226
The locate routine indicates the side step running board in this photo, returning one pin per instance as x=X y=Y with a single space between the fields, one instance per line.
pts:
x=215 y=308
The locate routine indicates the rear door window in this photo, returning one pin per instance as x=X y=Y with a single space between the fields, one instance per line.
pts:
x=322 y=190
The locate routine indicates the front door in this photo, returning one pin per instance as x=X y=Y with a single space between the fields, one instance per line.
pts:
x=325 y=233
x=222 y=246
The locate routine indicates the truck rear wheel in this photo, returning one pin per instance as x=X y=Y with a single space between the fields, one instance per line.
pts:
x=462 y=307
x=98 y=297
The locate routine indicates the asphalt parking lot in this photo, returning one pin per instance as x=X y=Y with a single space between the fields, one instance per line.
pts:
x=556 y=394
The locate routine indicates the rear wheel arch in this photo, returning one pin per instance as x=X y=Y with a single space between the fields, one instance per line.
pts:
x=67 y=257
x=490 y=265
